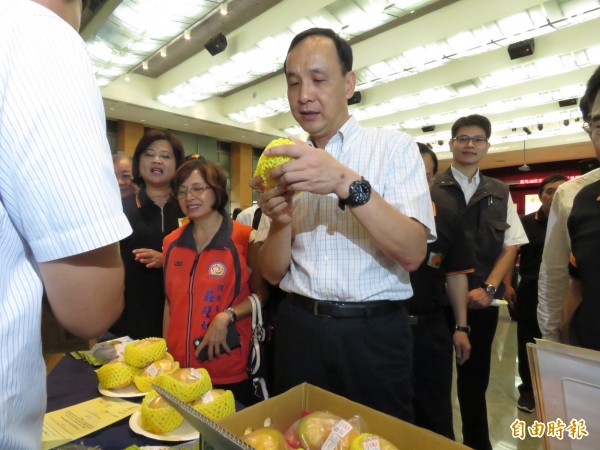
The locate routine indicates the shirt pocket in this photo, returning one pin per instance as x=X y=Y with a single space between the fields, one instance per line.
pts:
x=493 y=241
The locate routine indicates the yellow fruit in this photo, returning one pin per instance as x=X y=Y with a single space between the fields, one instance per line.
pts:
x=362 y=442
x=266 y=439
x=143 y=382
x=143 y=352
x=267 y=163
x=215 y=404
x=315 y=428
x=116 y=375
x=186 y=384
x=157 y=415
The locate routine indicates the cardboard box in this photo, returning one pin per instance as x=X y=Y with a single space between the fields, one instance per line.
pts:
x=285 y=409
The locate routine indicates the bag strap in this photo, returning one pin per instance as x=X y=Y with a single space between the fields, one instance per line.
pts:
x=256 y=218
x=258 y=331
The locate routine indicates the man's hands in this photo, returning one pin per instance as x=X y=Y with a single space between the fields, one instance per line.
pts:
x=313 y=170
x=478 y=299
x=462 y=346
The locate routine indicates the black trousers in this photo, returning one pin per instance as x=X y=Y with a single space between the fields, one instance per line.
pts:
x=367 y=360
x=432 y=372
x=527 y=328
x=473 y=378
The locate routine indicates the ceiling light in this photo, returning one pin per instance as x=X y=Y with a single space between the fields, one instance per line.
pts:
x=187 y=35
x=223 y=9
x=145 y=65
x=163 y=52
x=127 y=77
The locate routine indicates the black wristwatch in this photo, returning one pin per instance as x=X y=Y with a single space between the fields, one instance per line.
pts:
x=489 y=289
x=466 y=329
x=359 y=194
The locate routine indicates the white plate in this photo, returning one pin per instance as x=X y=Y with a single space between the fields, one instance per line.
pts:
x=184 y=432
x=127 y=392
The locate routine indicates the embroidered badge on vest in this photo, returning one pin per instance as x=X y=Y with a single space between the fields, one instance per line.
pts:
x=217 y=270
x=434 y=260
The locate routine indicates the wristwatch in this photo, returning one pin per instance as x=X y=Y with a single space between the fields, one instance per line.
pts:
x=359 y=194
x=489 y=289
x=232 y=315
x=466 y=329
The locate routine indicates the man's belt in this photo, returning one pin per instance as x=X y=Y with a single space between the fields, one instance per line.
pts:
x=322 y=308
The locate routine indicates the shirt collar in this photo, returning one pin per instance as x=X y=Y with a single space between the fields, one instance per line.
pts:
x=220 y=240
x=347 y=130
x=464 y=180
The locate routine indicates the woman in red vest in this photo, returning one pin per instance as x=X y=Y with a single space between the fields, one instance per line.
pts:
x=209 y=280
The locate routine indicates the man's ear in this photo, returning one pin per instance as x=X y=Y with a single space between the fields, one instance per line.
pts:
x=350 y=84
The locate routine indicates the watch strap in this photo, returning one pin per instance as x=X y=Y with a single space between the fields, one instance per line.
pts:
x=466 y=329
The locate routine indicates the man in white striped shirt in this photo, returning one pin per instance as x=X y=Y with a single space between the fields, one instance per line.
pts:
x=60 y=211
x=343 y=246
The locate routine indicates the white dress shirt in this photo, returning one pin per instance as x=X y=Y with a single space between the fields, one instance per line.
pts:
x=333 y=256
x=58 y=193
x=553 y=281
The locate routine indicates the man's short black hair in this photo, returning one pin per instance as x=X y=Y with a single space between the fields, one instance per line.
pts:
x=344 y=50
x=550 y=179
x=473 y=120
x=591 y=92
x=425 y=149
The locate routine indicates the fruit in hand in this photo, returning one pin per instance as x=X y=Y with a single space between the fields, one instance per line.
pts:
x=267 y=163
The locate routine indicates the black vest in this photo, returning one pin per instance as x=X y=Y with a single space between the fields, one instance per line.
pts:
x=485 y=218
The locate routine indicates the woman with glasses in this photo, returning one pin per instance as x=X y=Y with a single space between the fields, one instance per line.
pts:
x=153 y=213
x=210 y=276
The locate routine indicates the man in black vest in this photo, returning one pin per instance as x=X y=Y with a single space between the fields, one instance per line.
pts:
x=496 y=231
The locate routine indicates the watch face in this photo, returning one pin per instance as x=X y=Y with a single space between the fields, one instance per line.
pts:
x=360 y=192
x=490 y=289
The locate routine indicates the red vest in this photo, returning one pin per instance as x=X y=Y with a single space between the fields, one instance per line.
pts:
x=200 y=285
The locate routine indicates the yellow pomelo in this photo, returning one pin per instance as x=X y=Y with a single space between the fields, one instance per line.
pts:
x=215 y=404
x=266 y=163
x=363 y=442
x=143 y=382
x=157 y=415
x=116 y=375
x=145 y=351
x=186 y=384
x=266 y=439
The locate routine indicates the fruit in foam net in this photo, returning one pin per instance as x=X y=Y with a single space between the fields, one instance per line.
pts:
x=315 y=428
x=366 y=441
x=266 y=439
x=267 y=163
x=186 y=384
x=116 y=375
x=157 y=415
x=215 y=404
x=145 y=351
x=143 y=382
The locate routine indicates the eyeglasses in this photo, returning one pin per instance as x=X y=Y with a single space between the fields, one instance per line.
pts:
x=464 y=139
x=196 y=192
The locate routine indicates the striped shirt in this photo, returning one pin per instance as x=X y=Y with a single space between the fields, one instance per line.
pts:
x=58 y=192
x=333 y=257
